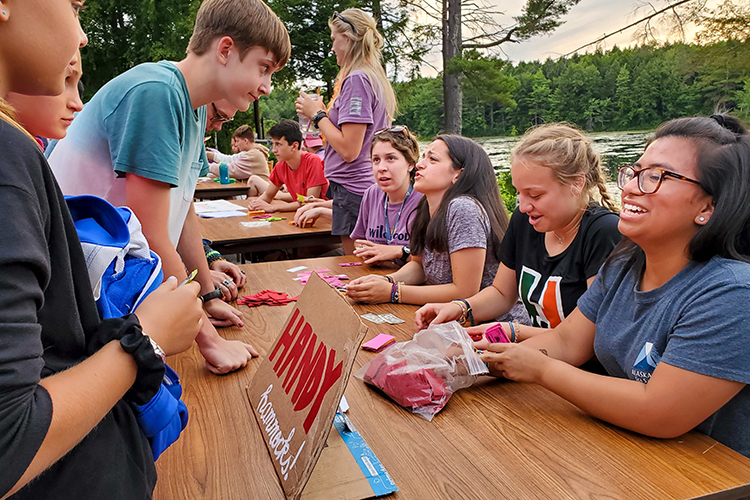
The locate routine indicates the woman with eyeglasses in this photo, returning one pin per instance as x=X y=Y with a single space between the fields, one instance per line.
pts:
x=456 y=233
x=388 y=207
x=667 y=314
x=558 y=238
x=363 y=101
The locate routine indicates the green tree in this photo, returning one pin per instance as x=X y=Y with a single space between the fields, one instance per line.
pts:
x=124 y=33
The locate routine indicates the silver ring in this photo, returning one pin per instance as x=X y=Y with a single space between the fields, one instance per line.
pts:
x=226 y=283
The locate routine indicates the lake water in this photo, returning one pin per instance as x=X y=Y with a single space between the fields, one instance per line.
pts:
x=616 y=149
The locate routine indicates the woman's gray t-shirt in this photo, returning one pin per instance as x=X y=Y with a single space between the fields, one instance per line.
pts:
x=468 y=227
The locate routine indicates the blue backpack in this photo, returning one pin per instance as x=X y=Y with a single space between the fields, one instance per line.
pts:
x=123 y=271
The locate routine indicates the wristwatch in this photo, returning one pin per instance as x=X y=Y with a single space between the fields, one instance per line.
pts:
x=157 y=348
x=212 y=295
x=319 y=116
x=405 y=252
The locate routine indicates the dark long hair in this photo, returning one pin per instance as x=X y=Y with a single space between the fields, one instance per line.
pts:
x=723 y=145
x=477 y=180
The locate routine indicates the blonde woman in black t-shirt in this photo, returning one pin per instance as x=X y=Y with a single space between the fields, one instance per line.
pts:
x=557 y=239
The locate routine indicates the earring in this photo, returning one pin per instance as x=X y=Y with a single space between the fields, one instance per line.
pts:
x=702 y=219
x=3 y=12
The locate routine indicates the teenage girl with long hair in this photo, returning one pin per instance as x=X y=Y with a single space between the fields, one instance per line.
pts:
x=363 y=102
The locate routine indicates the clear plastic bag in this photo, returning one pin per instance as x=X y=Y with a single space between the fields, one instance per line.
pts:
x=422 y=374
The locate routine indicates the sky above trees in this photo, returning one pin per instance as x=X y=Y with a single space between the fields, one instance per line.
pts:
x=586 y=22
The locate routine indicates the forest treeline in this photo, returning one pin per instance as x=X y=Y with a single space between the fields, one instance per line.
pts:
x=622 y=89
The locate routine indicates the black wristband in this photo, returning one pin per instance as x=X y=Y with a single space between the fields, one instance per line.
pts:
x=319 y=116
x=212 y=295
x=134 y=342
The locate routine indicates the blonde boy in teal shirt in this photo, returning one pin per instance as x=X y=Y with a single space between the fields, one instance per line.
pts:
x=138 y=142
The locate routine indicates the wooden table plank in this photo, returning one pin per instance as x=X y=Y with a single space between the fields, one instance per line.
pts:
x=496 y=439
x=211 y=190
x=227 y=235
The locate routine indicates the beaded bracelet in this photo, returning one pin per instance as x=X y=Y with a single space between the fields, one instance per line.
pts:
x=464 y=310
x=468 y=315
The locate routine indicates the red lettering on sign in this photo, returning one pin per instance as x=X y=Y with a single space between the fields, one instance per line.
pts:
x=286 y=339
x=295 y=353
x=304 y=367
x=330 y=377
x=311 y=375
x=305 y=393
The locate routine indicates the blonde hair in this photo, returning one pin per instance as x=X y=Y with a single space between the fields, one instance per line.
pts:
x=566 y=150
x=249 y=23
x=8 y=114
x=364 y=53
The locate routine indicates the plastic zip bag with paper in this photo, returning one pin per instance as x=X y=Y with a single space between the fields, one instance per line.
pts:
x=422 y=374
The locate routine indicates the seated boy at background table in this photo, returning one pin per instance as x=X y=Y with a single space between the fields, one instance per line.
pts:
x=301 y=172
x=138 y=142
x=249 y=161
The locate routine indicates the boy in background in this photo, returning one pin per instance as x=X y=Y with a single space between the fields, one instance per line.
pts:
x=250 y=159
x=301 y=172
x=138 y=142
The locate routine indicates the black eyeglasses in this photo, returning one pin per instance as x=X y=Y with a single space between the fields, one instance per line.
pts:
x=649 y=179
x=395 y=129
x=336 y=14
x=219 y=116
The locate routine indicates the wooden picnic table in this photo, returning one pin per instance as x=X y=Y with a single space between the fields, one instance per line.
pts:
x=496 y=439
x=229 y=236
x=211 y=190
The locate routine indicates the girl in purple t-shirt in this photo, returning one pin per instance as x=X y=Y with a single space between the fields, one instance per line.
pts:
x=363 y=101
x=388 y=207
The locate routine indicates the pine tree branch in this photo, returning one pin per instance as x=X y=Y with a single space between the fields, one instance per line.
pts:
x=645 y=19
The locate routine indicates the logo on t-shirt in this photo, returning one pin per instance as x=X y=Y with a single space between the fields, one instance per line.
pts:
x=645 y=363
x=355 y=106
x=378 y=233
x=547 y=310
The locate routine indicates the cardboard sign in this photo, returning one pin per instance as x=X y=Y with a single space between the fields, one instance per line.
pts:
x=298 y=386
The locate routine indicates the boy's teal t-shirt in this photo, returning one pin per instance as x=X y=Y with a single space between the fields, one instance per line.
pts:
x=142 y=122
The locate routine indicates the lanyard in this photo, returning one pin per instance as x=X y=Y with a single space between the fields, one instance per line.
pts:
x=388 y=232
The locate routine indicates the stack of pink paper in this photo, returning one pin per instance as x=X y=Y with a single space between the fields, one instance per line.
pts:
x=335 y=280
x=268 y=297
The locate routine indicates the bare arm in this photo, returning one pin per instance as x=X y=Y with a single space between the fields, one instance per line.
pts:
x=314 y=191
x=673 y=402
x=190 y=248
x=467 y=265
x=348 y=141
x=149 y=200
x=81 y=397
x=264 y=202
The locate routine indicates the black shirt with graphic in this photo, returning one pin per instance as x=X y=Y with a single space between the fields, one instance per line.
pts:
x=549 y=287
